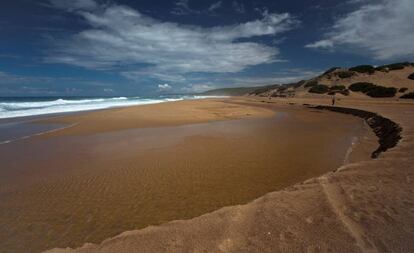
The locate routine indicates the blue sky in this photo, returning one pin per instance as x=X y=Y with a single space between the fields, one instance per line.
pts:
x=121 y=47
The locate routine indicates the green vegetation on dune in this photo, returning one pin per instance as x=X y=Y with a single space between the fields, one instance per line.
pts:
x=330 y=70
x=345 y=74
x=263 y=89
x=382 y=92
x=338 y=87
x=319 y=89
x=363 y=69
x=323 y=89
x=311 y=83
x=300 y=83
x=373 y=90
x=409 y=95
x=237 y=91
x=333 y=74
x=394 y=66
x=361 y=87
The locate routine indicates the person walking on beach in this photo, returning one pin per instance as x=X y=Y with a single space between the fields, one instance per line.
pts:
x=333 y=100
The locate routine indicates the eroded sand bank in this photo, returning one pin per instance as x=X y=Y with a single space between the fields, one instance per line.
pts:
x=93 y=182
x=362 y=207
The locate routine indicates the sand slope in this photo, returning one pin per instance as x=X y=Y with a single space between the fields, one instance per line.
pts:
x=363 y=207
x=395 y=78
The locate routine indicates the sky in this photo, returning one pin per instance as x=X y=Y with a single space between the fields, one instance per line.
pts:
x=148 y=48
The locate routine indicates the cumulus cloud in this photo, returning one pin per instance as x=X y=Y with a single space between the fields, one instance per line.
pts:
x=382 y=29
x=121 y=38
x=164 y=87
x=321 y=44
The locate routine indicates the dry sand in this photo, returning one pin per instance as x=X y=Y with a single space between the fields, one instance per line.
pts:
x=156 y=115
x=125 y=169
x=366 y=206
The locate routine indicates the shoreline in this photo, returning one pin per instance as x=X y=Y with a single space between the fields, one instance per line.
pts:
x=353 y=236
x=50 y=119
x=158 y=115
x=386 y=130
x=168 y=172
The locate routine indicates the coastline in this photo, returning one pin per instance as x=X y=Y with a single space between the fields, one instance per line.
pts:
x=37 y=125
x=196 y=164
x=339 y=205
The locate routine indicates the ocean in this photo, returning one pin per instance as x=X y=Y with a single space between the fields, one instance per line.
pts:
x=13 y=107
x=17 y=113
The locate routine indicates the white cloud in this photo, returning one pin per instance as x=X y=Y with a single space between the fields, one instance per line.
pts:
x=196 y=88
x=321 y=44
x=384 y=30
x=121 y=37
x=215 y=6
x=183 y=8
x=163 y=87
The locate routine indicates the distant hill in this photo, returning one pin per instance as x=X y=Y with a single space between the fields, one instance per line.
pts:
x=237 y=91
x=388 y=81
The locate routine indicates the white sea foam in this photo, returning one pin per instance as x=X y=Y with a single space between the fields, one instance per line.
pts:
x=21 y=107
x=12 y=109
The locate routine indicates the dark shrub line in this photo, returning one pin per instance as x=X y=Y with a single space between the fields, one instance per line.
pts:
x=411 y=76
x=388 y=132
x=311 y=83
x=409 y=95
x=361 y=87
x=403 y=89
x=363 y=69
x=394 y=66
x=338 y=87
x=345 y=74
x=300 y=83
x=382 y=92
x=330 y=70
x=319 y=89
x=322 y=89
x=373 y=90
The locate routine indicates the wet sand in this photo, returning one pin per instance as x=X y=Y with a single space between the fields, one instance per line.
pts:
x=364 y=206
x=126 y=169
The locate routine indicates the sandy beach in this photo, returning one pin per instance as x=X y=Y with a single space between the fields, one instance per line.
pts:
x=364 y=206
x=126 y=169
x=207 y=126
